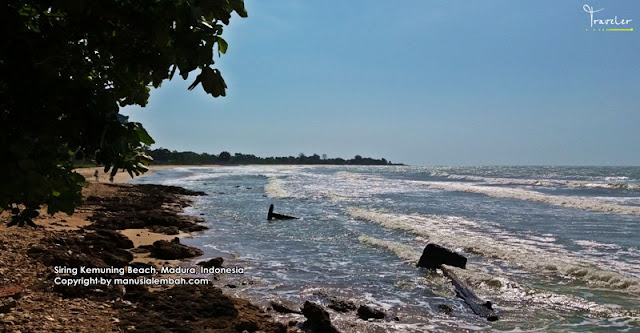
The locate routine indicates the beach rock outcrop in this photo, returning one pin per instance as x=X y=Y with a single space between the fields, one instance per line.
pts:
x=283 y=308
x=109 y=238
x=341 y=305
x=435 y=255
x=166 y=250
x=366 y=312
x=215 y=262
x=156 y=207
x=318 y=319
x=76 y=249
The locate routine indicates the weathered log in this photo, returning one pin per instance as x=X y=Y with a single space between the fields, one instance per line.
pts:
x=480 y=307
x=435 y=255
x=276 y=216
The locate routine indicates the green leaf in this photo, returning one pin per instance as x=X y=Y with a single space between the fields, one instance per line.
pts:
x=143 y=135
x=55 y=193
x=238 y=7
x=222 y=46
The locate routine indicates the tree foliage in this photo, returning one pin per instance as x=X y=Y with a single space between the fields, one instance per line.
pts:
x=66 y=68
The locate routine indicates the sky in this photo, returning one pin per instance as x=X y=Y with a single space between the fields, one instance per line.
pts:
x=421 y=82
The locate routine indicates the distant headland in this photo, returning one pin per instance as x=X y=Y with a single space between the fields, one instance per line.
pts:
x=165 y=156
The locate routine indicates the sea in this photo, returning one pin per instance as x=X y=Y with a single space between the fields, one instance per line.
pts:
x=555 y=249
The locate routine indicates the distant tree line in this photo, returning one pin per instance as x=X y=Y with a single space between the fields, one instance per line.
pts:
x=166 y=156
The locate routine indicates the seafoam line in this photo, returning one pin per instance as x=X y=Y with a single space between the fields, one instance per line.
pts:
x=520 y=194
x=502 y=246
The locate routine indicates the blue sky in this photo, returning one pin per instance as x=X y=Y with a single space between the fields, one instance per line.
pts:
x=420 y=82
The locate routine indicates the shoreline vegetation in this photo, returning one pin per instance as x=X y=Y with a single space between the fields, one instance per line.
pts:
x=119 y=225
x=162 y=156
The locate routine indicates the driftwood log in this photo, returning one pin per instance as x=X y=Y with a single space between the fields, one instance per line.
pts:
x=434 y=256
x=276 y=216
x=480 y=307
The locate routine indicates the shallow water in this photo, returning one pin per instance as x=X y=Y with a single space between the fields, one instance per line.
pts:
x=554 y=248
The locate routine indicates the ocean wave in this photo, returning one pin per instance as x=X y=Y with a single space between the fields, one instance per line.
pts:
x=349 y=175
x=507 y=289
x=275 y=189
x=596 y=245
x=616 y=178
x=458 y=234
x=407 y=253
x=614 y=183
x=521 y=194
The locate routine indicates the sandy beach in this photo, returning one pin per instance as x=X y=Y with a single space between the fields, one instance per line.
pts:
x=118 y=225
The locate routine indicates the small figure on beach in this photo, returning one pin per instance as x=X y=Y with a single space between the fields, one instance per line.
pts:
x=95 y=174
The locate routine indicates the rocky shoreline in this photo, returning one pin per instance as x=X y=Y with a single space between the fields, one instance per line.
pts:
x=93 y=239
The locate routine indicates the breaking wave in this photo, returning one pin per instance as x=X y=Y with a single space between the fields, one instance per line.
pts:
x=275 y=189
x=474 y=238
x=616 y=183
x=404 y=252
x=521 y=194
x=508 y=290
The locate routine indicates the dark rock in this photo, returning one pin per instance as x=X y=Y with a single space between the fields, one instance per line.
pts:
x=155 y=207
x=110 y=237
x=215 y=262
x=396 y=318
x=292 y=323
x=163 y=249
x=246 y=325
x=142 y=249
x=75 y=250
x=435 y=255
x=182 y=308
x=231 y=286
x=282 y=308
x=340 y=305
x=366 y=312
x=6 y=304
x=164 y=229
x=318 y=319
x=445 y=308
x=134 y=292
x=117 y=257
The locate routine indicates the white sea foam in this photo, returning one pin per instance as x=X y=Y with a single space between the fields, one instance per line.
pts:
x=508 y=290
x=616 y=178
x=537 y=257
x=596 y=245
x=275 y=189
x=606 y=183
x=407 y=253
x=521 y=194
